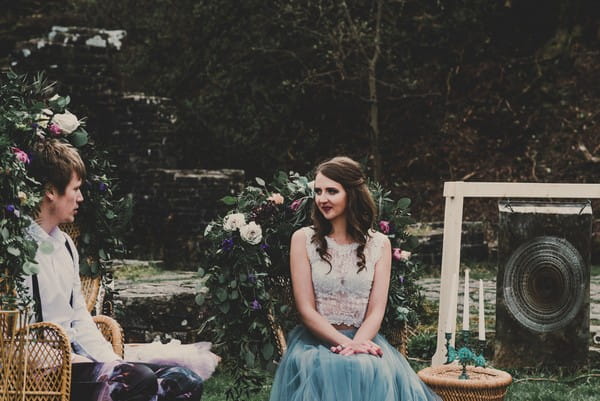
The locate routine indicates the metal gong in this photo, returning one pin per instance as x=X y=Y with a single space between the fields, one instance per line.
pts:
x=544 y=283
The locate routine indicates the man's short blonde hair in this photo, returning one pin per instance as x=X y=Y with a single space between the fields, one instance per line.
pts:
x=53 y=163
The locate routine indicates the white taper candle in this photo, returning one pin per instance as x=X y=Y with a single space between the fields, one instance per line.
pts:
x=481 y=313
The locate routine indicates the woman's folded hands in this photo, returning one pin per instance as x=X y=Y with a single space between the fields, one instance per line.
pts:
x=357 y=347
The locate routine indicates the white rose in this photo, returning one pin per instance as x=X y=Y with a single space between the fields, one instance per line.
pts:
x=251 y=233
x=233 y=221
x=67 y=122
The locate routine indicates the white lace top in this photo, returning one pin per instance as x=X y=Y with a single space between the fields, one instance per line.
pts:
x=342 y=294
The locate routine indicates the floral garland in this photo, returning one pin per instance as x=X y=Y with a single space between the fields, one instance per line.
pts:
x=245 y=271
x=31 y=112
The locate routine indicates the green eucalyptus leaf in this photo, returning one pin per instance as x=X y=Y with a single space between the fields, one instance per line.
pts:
x=260 y=181
x=13 y=251
x=199 y=299
x=102 y=254
x=79 y=138
x=249 y=358
x=229 y=200
x=403 y=203
x=46 y=247
x=221 y=295
x=267 y=351
x=224 y=307
x=30 y=268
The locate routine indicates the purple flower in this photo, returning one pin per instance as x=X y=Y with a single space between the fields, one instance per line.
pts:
x=227 y=244
x=255 y=305
x=296 y=204
x=401 y=278
x=10 y=208
x=102 y=187
x=264 y=247
x=252 y=278
x=385 y=226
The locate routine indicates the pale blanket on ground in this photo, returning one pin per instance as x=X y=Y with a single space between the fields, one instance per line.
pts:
x=197 y=356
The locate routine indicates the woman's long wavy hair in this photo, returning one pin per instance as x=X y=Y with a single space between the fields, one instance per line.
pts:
x=360 y=208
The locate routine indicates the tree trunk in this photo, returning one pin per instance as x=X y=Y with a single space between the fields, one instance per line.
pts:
x=373 y=99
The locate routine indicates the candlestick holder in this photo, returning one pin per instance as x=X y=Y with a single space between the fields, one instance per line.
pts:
x=465 y=355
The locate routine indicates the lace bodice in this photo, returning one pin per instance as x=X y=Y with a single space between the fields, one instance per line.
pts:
x=342 y=294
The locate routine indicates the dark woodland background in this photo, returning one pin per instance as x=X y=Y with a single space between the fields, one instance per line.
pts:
x=421 y=91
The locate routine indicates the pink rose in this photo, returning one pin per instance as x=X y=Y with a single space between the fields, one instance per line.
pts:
x=384 y=226
x=54 y=129
x=296 y=204
x=276 y=198
x=20 y=155
x=399 y=254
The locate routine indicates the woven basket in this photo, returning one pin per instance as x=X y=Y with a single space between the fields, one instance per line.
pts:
x=484 y=384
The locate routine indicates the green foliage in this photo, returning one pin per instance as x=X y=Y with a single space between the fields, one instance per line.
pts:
x=245 y=274
x=422 y=345
x=31 y=112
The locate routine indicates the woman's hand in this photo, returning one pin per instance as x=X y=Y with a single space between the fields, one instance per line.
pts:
x=357 y=347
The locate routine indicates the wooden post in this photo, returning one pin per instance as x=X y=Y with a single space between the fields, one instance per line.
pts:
x=450 y=265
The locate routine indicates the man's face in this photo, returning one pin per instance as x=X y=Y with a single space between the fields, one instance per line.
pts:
x=64 y=206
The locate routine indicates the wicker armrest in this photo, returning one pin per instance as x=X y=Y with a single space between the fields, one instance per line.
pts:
x=112 y=331
x=41 y=367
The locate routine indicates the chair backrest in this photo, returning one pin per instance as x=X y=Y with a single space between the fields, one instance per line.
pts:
x=90 y=285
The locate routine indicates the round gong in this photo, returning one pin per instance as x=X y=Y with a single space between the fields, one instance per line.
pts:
x=544 y=283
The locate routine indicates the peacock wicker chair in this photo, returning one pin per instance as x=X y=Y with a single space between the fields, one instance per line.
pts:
x=397 y=337
x=36 y=362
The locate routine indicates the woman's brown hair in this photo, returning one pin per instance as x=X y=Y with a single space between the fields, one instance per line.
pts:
x=360 y=209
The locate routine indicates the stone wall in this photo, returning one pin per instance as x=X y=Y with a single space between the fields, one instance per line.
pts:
x=171 y=207
x=159 y=306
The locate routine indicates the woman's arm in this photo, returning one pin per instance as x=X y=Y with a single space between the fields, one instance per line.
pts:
x=304 y=293
x=377 y=303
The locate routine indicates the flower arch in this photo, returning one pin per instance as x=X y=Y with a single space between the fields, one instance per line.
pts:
x=31 y=111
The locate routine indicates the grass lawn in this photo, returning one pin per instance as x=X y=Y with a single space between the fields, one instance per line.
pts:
x=525 y=388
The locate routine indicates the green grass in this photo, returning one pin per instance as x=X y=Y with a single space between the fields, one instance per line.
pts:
x=584 y=387
x=534 y=387
x=216 y=386
x=136 y=271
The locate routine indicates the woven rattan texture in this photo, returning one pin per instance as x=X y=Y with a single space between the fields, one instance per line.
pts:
x=484 y=384
x=36 y=363
x=112 y=331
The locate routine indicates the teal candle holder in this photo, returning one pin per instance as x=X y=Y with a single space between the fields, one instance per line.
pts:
x=465 y=354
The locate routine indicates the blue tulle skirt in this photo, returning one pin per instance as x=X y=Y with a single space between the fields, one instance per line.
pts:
x=309 y=371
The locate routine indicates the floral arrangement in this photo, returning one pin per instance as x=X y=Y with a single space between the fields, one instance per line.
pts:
x=245 y=271
x=30 y=112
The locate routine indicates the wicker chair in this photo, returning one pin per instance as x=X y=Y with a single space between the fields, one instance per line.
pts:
x=37 y=357
x=397 y=337
x=37 y=362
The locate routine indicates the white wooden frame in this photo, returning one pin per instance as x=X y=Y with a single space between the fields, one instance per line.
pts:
x=455 y=192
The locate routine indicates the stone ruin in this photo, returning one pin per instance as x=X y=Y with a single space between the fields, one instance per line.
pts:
x=171 y=206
